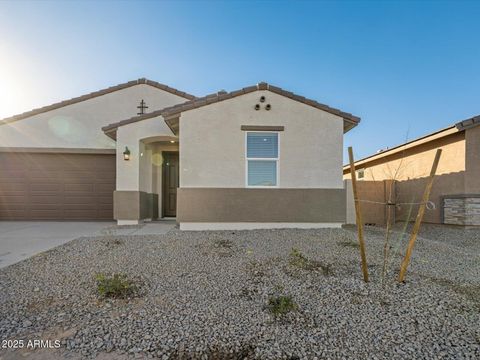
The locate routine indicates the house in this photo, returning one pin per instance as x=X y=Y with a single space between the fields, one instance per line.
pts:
x=456 y=188
x=259 y=157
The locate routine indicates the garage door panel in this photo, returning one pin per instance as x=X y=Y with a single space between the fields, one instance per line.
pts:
x=44 y=177
x=12 y=214
x=104 y=215
x=6 y=176
x=46 y=187
x=76 y=176
x=79 y=207
x=20 y=199
x=104 y=188
x=56 y=186
x=52 y=199
x=104 y=175
x=49 y=207
x=13 y=186
x=79 y=200
x=45 y=214
x=80 y=213
x=15 y=189
x=104 y=200
x=75 y=187
x=12 y=207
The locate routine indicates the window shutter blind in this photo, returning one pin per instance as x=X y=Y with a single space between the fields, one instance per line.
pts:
x=262 y=145
x=262 y=173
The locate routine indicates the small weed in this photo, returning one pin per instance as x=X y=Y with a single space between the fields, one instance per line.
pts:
x=297 y=259
x=222 y=247
x=222 y=243
x=384 y=302
x=113 y=242
x=115 y=286
x=255 y=269
x=281 y=305
x=348 y=243
x=248 y=293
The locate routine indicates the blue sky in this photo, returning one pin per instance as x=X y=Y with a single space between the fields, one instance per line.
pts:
x=406 y=68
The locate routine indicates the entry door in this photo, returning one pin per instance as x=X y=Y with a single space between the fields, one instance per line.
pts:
x=170 y=183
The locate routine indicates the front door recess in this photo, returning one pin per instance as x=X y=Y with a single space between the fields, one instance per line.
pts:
x=170 y=183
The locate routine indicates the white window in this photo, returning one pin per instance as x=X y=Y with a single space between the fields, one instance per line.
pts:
x=262 y=159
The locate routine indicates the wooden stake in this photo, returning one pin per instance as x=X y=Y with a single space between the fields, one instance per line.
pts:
x=418 y=220
x=358 y=215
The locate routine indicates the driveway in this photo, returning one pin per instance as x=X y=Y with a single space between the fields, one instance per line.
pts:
x=20 y=240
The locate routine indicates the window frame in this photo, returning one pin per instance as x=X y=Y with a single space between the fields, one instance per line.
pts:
x=277 y=160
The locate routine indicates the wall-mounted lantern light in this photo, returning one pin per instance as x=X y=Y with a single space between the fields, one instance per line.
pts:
x=126 y=154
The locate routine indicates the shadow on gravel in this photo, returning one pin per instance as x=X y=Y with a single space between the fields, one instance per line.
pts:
x=471 y=292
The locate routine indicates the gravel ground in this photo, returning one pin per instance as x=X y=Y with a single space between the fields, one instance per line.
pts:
x=204 y=295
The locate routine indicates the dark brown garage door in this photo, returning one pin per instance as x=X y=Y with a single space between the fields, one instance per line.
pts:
x=56 y=186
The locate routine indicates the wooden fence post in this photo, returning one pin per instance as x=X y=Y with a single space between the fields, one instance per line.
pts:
x=358 y=215
x=418 y=220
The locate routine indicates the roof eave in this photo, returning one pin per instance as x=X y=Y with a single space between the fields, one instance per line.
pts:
x=408 y=145
x=350 y=121
x=468 y=123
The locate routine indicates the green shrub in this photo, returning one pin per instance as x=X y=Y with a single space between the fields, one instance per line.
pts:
x=281 y=305
x=115 y=286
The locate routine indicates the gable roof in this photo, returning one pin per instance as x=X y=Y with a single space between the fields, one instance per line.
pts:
x=96 y=94
x=171 y=112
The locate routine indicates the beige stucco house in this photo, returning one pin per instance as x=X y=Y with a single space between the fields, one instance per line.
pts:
x=259 y=157
x=456 y=188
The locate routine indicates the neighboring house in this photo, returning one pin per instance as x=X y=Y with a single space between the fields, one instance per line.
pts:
x=456 y=189
x=258 y=157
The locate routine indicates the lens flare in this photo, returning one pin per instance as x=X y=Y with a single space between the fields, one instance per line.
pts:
x=67 y=128
x=157 y=159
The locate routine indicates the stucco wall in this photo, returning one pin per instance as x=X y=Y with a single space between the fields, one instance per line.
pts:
x=79 y=125
x=472 y=175
x=414 y=167
x=375 y=194
x=212 y=146
x=136 y=136
x=416 y=162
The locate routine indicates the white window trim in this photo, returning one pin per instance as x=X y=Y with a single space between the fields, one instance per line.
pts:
x=277 y=159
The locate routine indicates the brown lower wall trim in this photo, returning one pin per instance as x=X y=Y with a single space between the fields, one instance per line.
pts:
x=261 y=128
x=134 y=205
x=261 y=205
x=39 y=150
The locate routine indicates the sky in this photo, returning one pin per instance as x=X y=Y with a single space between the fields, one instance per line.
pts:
x=407 y=68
